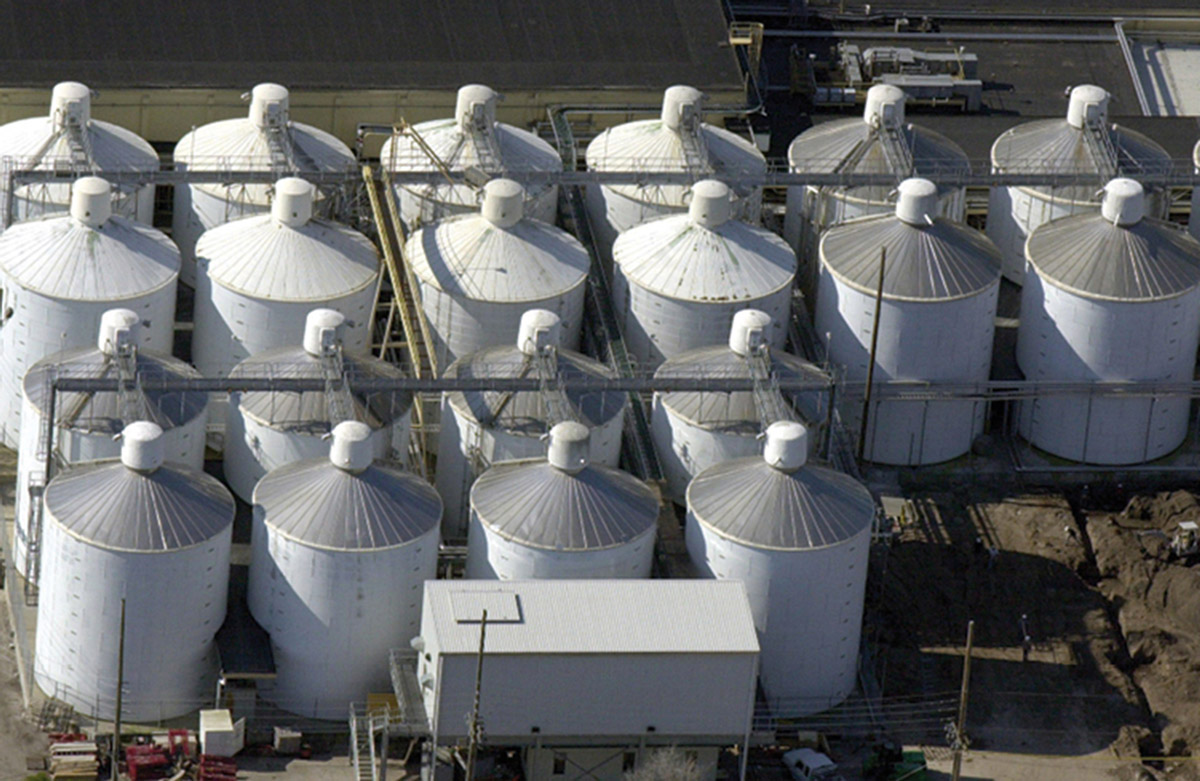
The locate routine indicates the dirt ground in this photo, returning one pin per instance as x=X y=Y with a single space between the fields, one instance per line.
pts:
x=1112 y=665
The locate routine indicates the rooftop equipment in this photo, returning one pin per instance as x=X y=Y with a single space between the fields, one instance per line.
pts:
x=679 y=280
x=798 y=535
x=265 y=140
x=267 y=429
x=560 y=517
x=1082 y=143
x=69 y=140
x=477 y=273
x=341 y=548
x=936 y=321
x=59 y=275
x=156 y=537
x=1110 y=295
x=472 y=141
x=679 y=140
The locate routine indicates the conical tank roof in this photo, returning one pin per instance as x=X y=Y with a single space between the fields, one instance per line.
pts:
x=137 y=503
x=103 y=259
x=322 y=505
x=275 y=257
x=1116 y=254
x=45 y=142
x=670 y=143
x=753 y=502
x=107 y=411
x=525 y=412
x=253 y=143
x=929 y=258
x=539 y=505
x=490 y=256
x=310 y=411
x=690 y=257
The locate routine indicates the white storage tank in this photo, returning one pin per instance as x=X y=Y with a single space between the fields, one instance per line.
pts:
x=882 y=142
x=678 y=141
x=679 y=281
x=798 y=535
x=560 y=517
x=472 y=138
x=267 y=429
x=937 y=321
x=87 y=423
x=264 y=140
x=259 y=277
x=1112 y=295
x=341 y=549
x=157 y=536
x=58 y=275
x=70 y=140
x=692 y=430
x=477 y=273
x=1194 y=220
x=1082 y=143
x=485 y=427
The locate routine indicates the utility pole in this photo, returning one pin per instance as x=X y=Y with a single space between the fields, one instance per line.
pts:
x=866 y=410
x=474 y=745
x=120 y=685
x=960 y=735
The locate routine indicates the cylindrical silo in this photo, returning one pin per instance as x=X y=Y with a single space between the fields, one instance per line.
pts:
x=58 y=276
x=483 y=427
x=678 y=141
x=477 y=273
x=798 y=535
x=882 y=142
x=678 y=281
x=1111 y=296
x=267 y=429
x=265 y=140
x=561 y=517
x=86 y=423
x=936 y=321
x=259 y=277
x=156 y=536
x=1082 y=143
x=70 y=140
x=693 y=430
x=341 y=548
x=472 y=138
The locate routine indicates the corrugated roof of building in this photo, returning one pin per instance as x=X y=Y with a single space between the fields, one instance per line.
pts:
x=597 y=616
x=321 y=505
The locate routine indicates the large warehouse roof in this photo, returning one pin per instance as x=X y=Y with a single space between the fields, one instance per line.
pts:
x=367 y=44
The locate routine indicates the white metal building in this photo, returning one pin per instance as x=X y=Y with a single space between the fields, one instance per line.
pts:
x=692 y=430
x=481 y=427
x=679 y=280
x=157 y=536
x=263 y=140
x=267 y=429
x=68 y=139
x=1113 y=295
x=259 y=277
x=341 y=548
x=679 y=140
x=60 y=274
x=477 y=274
x=936 y=321
x=881 y=142
x=1081 y=143
x=472 y=138
x=561 y=517
x=576 y=663
x=87 y=423
x=798 y=536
